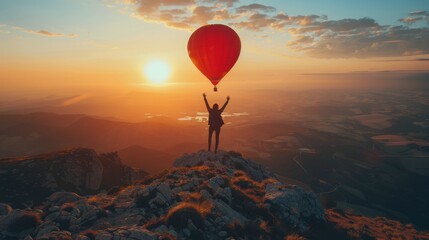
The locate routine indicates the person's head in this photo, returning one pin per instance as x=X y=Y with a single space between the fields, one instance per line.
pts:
x=215 y=106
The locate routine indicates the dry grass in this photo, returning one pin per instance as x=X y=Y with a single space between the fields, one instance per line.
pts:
x=250 y=188
x=374 y=228
x=294 y=237
x=179 y=215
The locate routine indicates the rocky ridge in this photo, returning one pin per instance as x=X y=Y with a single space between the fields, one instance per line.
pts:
x=203 y=196
x=31 y=179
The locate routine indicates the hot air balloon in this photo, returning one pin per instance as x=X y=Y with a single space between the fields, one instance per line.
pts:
x=214 y=49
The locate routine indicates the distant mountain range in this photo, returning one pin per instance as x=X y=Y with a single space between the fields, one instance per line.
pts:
x=41 y=132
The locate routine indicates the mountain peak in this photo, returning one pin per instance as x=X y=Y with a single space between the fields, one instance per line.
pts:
x=202 y=196
x=229 y=160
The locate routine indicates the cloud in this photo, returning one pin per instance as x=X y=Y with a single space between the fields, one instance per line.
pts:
x=406 y=60
x=2 y=29
x=255 y=8
x=366 y=42
x=228 y=3
x=202 y=15
x=416 y=16
x=360 y=38
x=189 y=14
x=256 y=22
x=312 y=35
x=49 y=34
x=183 y=14
x=344 y=25
x=8 y=29
x=419 y=13
x=150 y=6
x=410 y=20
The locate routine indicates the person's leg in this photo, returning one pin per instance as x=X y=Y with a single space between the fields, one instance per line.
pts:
x=211 y=129
x=217 y=132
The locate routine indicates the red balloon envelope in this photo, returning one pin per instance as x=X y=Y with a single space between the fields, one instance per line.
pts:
x=214 y=49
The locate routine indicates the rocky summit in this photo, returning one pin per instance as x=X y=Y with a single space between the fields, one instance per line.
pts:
x=203 y=196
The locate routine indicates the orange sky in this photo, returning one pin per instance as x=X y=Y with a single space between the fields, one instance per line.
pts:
x=79 y=45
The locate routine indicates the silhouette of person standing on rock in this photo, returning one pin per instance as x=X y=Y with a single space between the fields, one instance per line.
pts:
x=215 y=120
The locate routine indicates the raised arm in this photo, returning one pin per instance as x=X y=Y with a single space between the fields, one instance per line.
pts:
x=206 y=102
x=224 y=105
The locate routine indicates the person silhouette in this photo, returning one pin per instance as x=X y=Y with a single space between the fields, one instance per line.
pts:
x=215 y=120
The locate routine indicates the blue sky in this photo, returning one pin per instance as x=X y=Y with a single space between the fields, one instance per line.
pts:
x=384 y=11
x=82 y=15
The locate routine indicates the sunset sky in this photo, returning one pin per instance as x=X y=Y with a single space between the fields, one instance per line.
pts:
x=49 y=43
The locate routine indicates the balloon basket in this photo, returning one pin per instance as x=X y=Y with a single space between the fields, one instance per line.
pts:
x=215 y=89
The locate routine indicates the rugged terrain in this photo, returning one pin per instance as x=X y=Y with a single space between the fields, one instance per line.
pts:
x=202 y=196
x=366 y=150
x=26 y=181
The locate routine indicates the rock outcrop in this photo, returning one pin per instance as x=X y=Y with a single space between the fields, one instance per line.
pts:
x=204 y=196
x=231 y=160
x=31 y=179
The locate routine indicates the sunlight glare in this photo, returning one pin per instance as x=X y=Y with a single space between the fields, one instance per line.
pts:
x=157 y=71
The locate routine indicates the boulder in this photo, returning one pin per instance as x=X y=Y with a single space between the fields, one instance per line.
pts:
x=229 y=214
x=293 y=205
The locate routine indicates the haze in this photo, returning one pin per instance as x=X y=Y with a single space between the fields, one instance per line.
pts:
x=331 y=95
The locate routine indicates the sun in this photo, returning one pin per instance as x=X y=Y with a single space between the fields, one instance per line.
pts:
x=157 y=71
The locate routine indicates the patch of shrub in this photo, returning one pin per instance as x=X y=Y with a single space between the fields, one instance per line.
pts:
x=294 y=237
x=179 y=215
x=252 y=190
